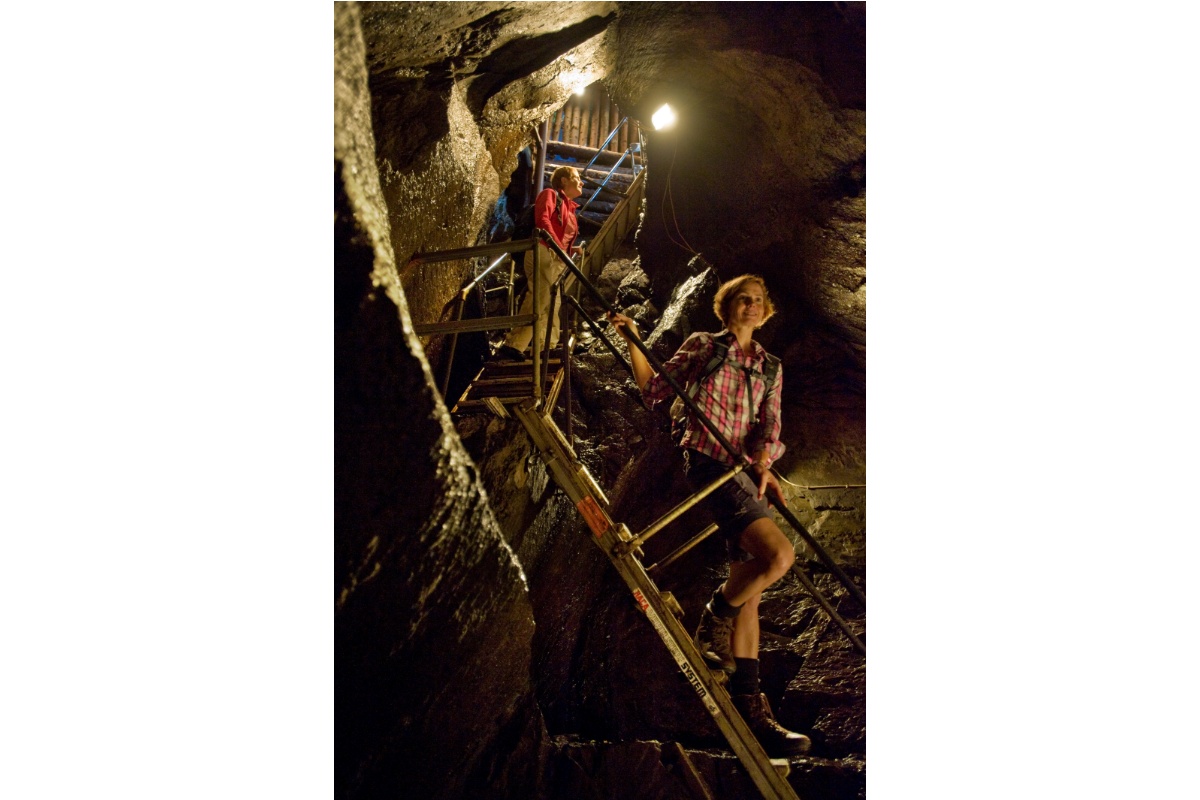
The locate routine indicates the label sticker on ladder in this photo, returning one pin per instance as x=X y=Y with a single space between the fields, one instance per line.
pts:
x=594 y=515
x=641 y=599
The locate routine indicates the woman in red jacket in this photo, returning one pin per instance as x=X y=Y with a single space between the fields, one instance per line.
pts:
x=554 y=212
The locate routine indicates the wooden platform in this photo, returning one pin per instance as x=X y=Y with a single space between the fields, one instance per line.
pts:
x=503 y=383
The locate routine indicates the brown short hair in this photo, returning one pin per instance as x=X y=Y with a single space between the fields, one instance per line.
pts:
x=729 y=290
x=559 y=175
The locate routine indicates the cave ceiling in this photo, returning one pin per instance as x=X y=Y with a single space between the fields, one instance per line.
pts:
x=767 y=169
x=475 y=623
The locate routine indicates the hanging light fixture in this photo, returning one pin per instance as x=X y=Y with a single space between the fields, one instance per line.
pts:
x=663 y=118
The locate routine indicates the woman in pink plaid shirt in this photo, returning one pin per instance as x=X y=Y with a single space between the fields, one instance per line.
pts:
x=744 y=405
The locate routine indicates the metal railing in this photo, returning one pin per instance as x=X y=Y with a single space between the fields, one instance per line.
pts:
x=540 y=355
x=742 y=461
x=505 y=250
x=631 y=153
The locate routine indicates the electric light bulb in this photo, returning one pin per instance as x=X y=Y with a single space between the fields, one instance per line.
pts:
x=663 y=118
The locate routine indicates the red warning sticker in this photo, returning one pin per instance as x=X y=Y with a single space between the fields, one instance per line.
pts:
x=594 y=515
x=641 y=599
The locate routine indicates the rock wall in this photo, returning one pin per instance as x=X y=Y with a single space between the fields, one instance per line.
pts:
x=457 y=89
x=600 y=671
x=433 y=622
x=446 y=687
x=765 y=171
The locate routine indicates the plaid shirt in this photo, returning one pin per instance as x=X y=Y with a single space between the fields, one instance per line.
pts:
x=723 y=398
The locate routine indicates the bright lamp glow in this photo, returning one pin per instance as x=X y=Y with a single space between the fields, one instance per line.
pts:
x=574 y=79
x=663 y=118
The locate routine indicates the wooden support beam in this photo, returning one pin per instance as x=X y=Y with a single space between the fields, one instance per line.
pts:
x=498 y=248
x=573 y=119
x=593 y=140
x=474 y=325
x=584 y=154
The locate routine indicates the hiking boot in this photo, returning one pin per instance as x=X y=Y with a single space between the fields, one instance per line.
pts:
x=714 y=640
x=777 y=740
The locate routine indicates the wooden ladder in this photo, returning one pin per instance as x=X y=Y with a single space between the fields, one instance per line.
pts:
x=661 y=609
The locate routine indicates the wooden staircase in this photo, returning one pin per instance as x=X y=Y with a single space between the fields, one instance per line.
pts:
x=610 y=206
x=501 y=384
x=613 y=194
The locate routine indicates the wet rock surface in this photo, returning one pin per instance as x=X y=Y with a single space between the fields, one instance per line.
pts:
x=766 y=169
x=601 y=672
x=649 y=770
x=476 y=618
x=428 y=593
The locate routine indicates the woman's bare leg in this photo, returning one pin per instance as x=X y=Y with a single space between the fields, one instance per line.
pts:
x=773 y=557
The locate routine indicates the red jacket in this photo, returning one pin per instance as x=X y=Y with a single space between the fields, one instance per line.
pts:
x=562 y=225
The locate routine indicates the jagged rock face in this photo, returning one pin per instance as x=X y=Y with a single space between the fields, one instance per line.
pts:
x=456 y=90
x=429 y=593
x=439 y=663
x=766 y=167
x=601 y=674
x=650 y=771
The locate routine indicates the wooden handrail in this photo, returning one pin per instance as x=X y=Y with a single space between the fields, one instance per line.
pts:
x=518 y=246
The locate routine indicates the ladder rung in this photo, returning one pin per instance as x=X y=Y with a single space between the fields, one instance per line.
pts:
x=688 y=545
x=486 y=402
x=509 y=368
x=503 y=381
x=678 y=510
x=474 y=325
x=510 y=391
x=660 y=608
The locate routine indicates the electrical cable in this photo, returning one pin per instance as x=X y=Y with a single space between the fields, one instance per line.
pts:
x=830 y=486
x=682 y=244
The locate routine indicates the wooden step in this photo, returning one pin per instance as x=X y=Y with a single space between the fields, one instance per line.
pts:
x=618 y=184
x=592 y=218
x=503 y=383
x=601 y=207
x=583 y=154
x=622 y=175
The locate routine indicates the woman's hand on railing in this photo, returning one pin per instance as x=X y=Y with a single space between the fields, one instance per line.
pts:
x=768 y=484
x=627 y=328
x=624 y=325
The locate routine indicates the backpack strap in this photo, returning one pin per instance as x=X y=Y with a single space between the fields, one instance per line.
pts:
x=720 y=353
x=770 y=369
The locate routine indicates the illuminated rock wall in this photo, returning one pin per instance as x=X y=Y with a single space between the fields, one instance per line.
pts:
x=484 y=647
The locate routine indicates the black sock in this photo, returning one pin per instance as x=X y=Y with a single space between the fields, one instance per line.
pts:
x=745 y=679
x=721 y=607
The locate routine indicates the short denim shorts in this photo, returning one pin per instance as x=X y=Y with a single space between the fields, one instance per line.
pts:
x=734 y=505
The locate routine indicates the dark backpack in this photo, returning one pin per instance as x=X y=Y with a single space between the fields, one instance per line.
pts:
x=679 y=411
x=523 y=227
